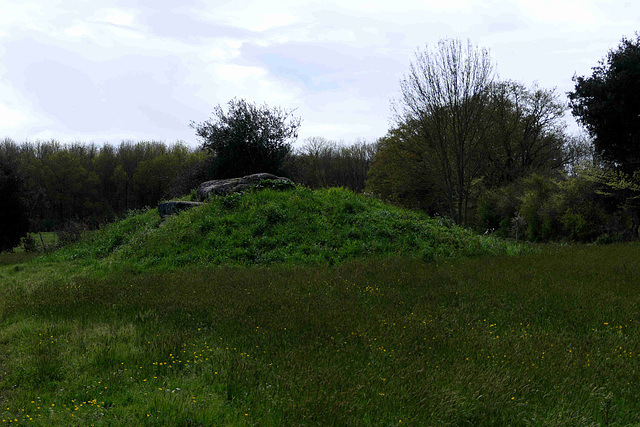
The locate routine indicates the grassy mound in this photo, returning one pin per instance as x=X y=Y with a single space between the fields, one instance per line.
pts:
x=292 y=227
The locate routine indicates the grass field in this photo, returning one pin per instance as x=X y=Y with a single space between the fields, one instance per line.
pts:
x=546 y=338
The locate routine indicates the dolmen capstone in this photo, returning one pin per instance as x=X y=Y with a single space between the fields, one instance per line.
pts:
x=219 y=187
x=223 y=187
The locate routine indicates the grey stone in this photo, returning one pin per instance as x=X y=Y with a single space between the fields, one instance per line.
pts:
x=222 y=187
x=169 y=208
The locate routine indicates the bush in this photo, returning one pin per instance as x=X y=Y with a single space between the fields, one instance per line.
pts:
x=70 y=233
x=607 y=239
x=549 y=209
x=274 y=185
x=29 y=243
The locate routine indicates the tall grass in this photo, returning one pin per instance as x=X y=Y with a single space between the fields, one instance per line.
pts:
x=551 y=338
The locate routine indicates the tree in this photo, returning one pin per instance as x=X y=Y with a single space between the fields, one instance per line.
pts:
x=14 y=219
x=608 y=104
x=526 y=133
x=400 y=173
x=324 y=163
x=445 y=95
x=248 y=138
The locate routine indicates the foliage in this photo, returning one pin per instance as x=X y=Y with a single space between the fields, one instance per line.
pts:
x=584 y=216
x=404 y=175
x=498 y=207
x=608 y=104
x=548 y=208
x=274 y=185
x=622 y=191
x=544 y=339
x=460 y=134
x=14 y=223
x=539 y=207
x=28 y=243
x=70 y=233
x=248 y=138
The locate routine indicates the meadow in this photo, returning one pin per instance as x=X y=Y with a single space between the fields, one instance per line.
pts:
x=378 y=317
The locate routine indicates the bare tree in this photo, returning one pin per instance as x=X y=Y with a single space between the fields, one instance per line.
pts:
x=527 y=132
x=325 y=163
x=444 y=94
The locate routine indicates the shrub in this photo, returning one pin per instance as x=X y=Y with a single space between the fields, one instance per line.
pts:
x=29 y=243
x=70 y=233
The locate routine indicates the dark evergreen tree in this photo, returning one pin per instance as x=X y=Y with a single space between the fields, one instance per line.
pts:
x=608 y=104
x=248 y=138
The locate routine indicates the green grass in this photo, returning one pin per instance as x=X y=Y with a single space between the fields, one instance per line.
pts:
x=295 y=227
x=547 y=338
x=544 y=339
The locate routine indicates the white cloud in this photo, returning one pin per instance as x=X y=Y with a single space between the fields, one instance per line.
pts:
x=78 y=30
x=348 y=106
x=256 y=16
x=239 y=74
x=11 y=119
x=117 y=17
x=252 y=83
x=576 y=12
x=224 y=50
x=24 y=14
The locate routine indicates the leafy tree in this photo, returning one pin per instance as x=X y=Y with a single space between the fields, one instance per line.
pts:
x=621 y=191
x=154 y=177
x=445 y=95
x=402 y=173
x=525 y=134
x=540 y=206
x=104 y=165
x=248 y=138
x=608 y=104
x=14 y=220
x=583 y=211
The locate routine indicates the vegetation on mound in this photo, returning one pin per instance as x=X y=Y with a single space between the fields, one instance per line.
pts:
x=293 y=227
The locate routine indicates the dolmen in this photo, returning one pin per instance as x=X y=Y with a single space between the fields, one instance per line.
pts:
x=219 y=187
x=224 y=187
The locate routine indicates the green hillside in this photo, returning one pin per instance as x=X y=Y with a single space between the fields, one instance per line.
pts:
x=291 y=227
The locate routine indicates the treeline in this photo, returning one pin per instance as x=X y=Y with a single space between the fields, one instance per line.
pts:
x=320 y=162
x=568 y=196
x=93 y=184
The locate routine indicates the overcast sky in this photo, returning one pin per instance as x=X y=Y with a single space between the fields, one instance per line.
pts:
x=109 y=70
